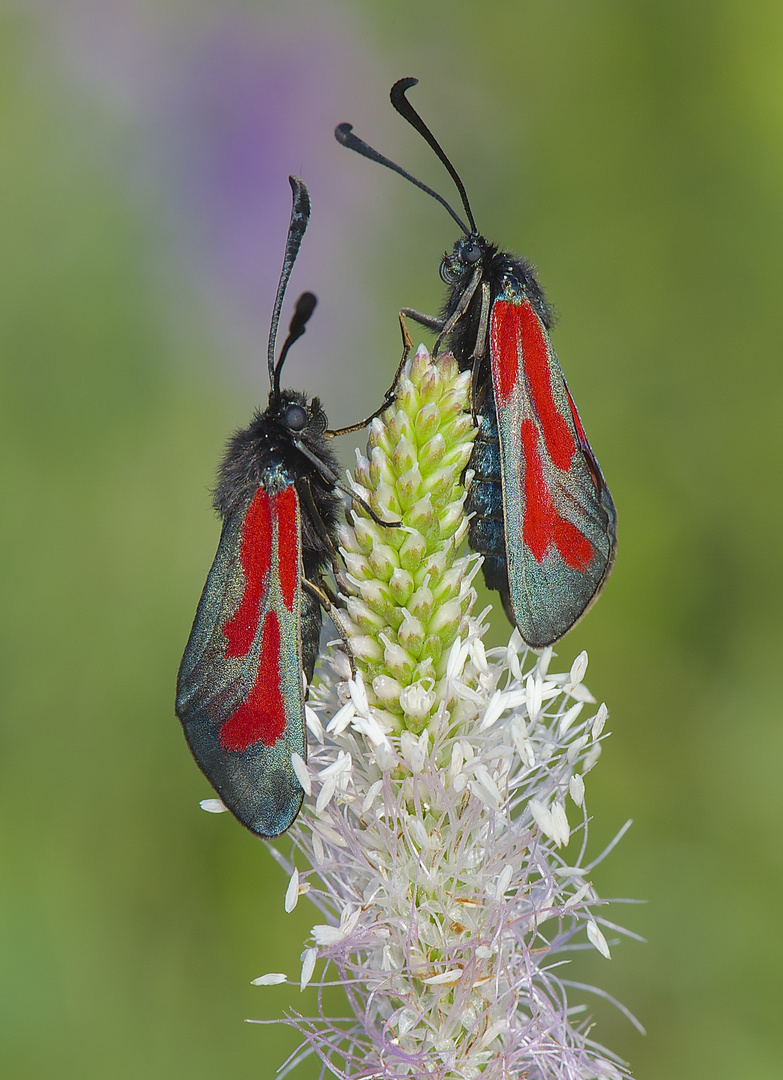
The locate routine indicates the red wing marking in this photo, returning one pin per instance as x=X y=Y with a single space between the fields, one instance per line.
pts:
x=287 y=545
x=504 y=349
x=262 y=717
x=592 y=464
x=255 y=554
x=542 y=526
x=517 y=331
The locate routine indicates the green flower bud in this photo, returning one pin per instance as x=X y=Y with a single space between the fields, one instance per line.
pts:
x=398 y=661
x=383 y=560
x=406 y=594
x=401 y=584
x=426 y=423
x=411 y=634
x=413 y=551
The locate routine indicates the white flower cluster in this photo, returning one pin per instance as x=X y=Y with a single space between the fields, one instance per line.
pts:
x=438 y=792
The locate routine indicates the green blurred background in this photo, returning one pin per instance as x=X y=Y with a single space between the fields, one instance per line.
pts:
x=635 y=152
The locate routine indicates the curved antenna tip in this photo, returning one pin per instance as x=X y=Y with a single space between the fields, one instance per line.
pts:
x=345 y=137
x=304 y=307
x=409 y=114
x=402 y=85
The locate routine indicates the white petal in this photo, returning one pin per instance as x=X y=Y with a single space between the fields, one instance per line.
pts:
x=578 y=896
x=418 y=832
x=349 y=919
x=292 y=892
x=309 y=956
x=485 y=788
x=272 y=978
x=567 y=719
x=385 y=758
x=325 y=794
x=581 y=693
x=302 y=773
x=544 y=660
x=457 y=760
x=597 y=938
x=455 y=662
x=533 y=688
x=328 y=935
x=576 y=748
x=359 y=694
x=341 y=665
x=576 y=787
x=467 y=693
x=542 y=817
x=451 y=976
x=498 y=1028
x=478 y=654
x=371 y=728
x=560 y=820
x=514 y=665
x=591 y=757
x=213 y=806
x=340 y=766
x=329 y=834
x=405 y=1020
x=514 y=698
x=578 y=670
x=504 y=880
x=373 y=791
x=314 y=725
x=341 y=719
x=599 y=720
x=318 y=850
x=493 y=710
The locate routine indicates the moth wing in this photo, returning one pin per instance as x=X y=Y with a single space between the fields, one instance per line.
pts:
x=560 y=520
x=240 y=695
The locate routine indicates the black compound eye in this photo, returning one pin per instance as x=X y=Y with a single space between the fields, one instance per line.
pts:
x=295 y=418
x=471 y=253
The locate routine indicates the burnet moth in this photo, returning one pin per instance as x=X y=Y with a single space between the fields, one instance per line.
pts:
x=240 y=694
x=543 y=516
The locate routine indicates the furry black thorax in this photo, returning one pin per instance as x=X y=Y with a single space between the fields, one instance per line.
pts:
x=265 y=454
x=457 y=269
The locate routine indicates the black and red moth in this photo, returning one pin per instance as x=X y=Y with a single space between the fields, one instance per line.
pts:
x=240 y=694
x=543 y=516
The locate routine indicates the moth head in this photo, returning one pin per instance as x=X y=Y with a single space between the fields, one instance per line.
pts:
x=468 y=251
x=295 y=415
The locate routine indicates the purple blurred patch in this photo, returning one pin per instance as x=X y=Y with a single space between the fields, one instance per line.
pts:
x=257 y=98
x=226 y=101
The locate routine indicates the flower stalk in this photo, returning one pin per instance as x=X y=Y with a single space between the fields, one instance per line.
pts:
x=436 y=838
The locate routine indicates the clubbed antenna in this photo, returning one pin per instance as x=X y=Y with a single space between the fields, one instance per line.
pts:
x=300 y=215
x=407 y=112
x=345 y=136
x=305 y=306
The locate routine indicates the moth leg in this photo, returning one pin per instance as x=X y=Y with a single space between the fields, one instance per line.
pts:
x=391 y=394
x=480 y=348
x=460 y=309
x=429 y=322
x=306 y=494
x=332 y=478
x=407 y=343
x=331 y=610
